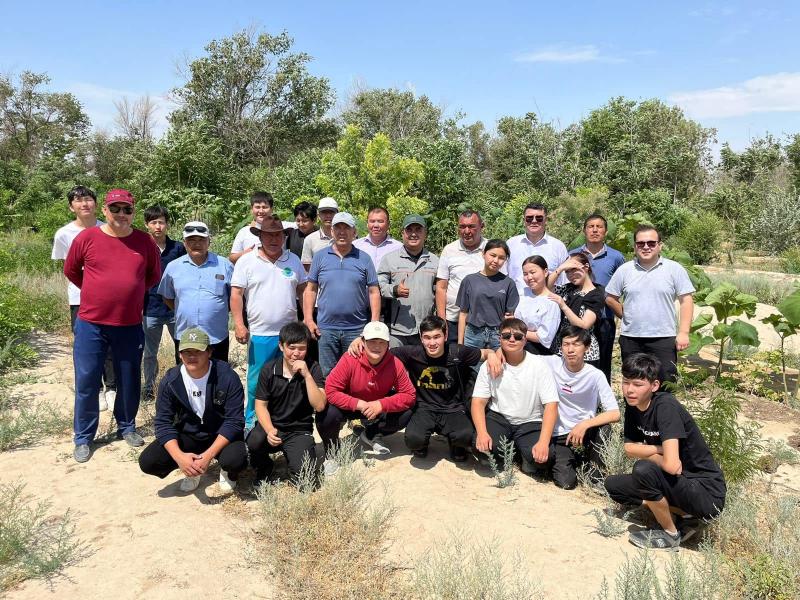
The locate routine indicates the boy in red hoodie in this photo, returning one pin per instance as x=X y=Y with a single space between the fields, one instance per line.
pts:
x=374 y=388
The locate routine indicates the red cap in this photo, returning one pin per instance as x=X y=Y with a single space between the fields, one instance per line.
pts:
x=119 y=196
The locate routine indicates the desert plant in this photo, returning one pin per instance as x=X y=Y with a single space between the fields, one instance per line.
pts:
x=777 y=453
x=506 y=476
x=612 y=453
x=607 y=525
x=23 y=423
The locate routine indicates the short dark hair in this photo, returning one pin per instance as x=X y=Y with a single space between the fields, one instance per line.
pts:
x=644 y=227
x=294 y=333
x=641 y=366
x=535 y=206
x=374 y=209
x=469 y=213
x=497 y=243
x=152 y=213
x=308 y=210
x=537 y=260
x=79 y=191
x=515 y=324
x=573 y=331
x=432 y=323
x=257 y=197
x=593 y=217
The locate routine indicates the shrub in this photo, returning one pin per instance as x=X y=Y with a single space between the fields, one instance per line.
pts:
x=776 y=224
x=506 y=476
x=701 y=237
x=790 y=260
x=777 y=453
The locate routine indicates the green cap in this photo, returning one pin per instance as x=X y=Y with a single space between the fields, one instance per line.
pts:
x=194 y=339
x=414 y=220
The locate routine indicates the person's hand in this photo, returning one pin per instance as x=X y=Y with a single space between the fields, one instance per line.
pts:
x=575 y=437
x=557 y=299
x=299 y=366
x=682 y=341
x=202 y=461
x=483 y=442
x=312 y=327
x=241 y=333
x=494 y=365
x=356 y=347
x=186 y=463
x=273 y=439
x=402 y=289
x=541 y=452
x=571 y=263
x=372 y=409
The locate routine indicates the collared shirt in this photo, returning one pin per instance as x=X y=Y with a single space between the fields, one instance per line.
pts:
x=270 y=290
x=649 y=295
x=549 y=248
x=201 y=294
x=418 y=274
x=313 y=243
x=377 y=251
x=343 y=288
x=604 y=264
x=153 y=303
x=455 y=263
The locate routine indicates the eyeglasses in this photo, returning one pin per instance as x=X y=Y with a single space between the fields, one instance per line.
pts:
x=195 y=228
x=534 y=219
x=507 y=335
x=647 y=244
x=115 y=208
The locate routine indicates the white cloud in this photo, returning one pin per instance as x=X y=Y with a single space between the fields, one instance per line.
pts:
x=567 y=54
x=767 y=93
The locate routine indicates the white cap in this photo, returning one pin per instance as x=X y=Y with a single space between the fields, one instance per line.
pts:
x=195 y=228
x=328 y=204
x=375 y=330
x=344 y=217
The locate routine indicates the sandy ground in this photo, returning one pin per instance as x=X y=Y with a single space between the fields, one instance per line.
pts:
x=146 y=539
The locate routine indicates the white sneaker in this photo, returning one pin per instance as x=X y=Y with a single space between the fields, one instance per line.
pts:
x=226 y=485
x=101 y=399
x=330 y=467
x=111 y=397
x=189 y=484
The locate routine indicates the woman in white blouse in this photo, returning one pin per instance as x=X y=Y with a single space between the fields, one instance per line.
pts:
x=540 y=314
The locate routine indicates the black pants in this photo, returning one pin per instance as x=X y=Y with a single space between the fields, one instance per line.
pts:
x=331 y=419
x=455 y=426
x=663 y=348
x=648 y=481
x=296 y=446
x=109 y=378
x=219 y=350
x=566 y=460
x=155 y=460
x=525 y=436
x=605 y=331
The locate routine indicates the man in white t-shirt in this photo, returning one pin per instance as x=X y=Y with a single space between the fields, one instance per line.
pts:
x=261 y=205
x=582 y=389
x=83 y=204
x=269 y=282
x=522 y=402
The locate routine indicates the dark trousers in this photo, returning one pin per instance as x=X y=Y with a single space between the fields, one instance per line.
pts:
x=452 y=332
x=650 y=482
x=92 y=343
x=663 y=348
x=155 y=460
x=566 y=460
x=605 y=331
x=455 y=426
x=219 y=350
x=525 y=436
x=331 y=419
x=108 y=378
x=296 y=446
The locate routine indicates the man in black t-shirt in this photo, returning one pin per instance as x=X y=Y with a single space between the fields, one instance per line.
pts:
x=675 y=471
x=289 y=392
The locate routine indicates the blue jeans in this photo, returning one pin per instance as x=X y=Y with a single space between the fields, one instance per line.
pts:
x=92 y=343
x=262 y=349
x=153 y=328
x=482 y=337
x=333 y=343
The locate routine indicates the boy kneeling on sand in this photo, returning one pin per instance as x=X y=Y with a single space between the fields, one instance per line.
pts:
x=675 y=471
x=522 y=402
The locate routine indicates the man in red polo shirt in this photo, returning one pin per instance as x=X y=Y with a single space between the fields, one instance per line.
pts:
x=113 y=265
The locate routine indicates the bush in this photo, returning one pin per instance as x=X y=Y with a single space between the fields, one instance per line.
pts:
x=776 y=224
x=701 y=237
x=790 y=260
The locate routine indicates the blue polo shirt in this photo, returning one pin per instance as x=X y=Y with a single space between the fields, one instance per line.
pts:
x=604 y=265
x=153 y=304
x=201 y=294
x=343 y=301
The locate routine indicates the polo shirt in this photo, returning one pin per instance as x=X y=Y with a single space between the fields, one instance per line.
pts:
x=61 y=244
x=287 y=399
x=343 y=298
x=648 y=296
x=604 y=265
x=314 y=242
x=377 y=251
x=270 y=290
x=201 y=294
x=549 y=248
x=153 y=303
x=455 y=263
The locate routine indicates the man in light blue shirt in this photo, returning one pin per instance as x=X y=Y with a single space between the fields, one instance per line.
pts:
x=198 y=288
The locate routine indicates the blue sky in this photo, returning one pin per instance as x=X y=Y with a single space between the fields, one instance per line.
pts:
x=732 y=66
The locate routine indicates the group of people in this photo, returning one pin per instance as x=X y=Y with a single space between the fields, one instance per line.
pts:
x=490 y=343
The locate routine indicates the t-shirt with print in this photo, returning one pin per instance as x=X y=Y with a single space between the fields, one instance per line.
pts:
x=61 y=243
x=666 y=419
x=443 y=382
x=196 y=390
x=287 y=399
x=487 y=299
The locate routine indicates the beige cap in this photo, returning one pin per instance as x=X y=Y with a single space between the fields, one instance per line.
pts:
x=375 y=330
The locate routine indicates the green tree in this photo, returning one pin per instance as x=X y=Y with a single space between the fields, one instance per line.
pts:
x=394 y=113
x=762 y=157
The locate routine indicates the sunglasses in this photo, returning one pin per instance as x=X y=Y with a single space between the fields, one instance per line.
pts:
x=116 y=208
x=647 y=244
x=507 y=335
x=534 y=219
x=195 y=229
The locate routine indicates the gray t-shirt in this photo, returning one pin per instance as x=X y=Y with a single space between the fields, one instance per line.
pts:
x=648 y=296
x=487 y=299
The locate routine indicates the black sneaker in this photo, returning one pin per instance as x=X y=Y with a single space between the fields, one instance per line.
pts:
x=655 y=539
x=458 y=454
x=421 y=452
